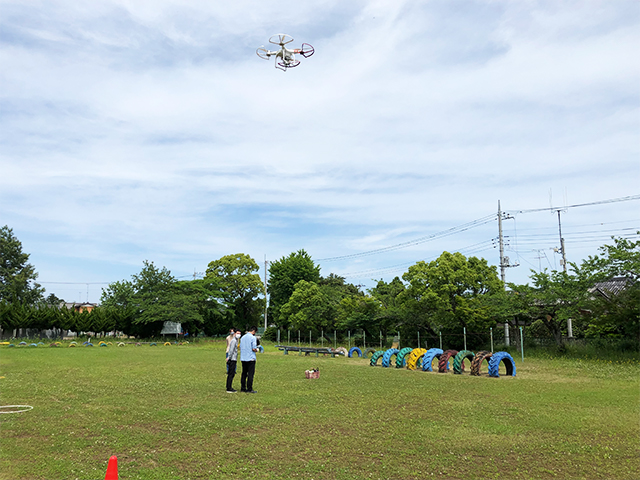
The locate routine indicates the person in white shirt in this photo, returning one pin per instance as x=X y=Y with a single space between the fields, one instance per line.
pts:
x=232 y=358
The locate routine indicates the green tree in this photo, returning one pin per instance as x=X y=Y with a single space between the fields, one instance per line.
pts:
x=148 y=300
x=451 y=292
x=620 y=259
x=17 y=277
x=392 y=309
x=359 y=312
x=614 y=312
x=237 y=278
x=119 y=294
x=207 y=297
x=308 y=308
x=284 y=274
x=553 y=298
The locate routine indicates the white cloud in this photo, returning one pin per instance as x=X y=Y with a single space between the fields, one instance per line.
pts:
x=135 y=130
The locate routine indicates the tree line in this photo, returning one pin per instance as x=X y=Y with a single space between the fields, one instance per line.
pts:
x=442 y=296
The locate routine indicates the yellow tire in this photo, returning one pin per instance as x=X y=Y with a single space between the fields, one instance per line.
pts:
x=167 y=344
x=414 y=357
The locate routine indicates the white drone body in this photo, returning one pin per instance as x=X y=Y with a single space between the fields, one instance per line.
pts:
x=284 y=57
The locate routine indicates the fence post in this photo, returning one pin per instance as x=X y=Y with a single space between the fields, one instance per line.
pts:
x=521 y=345
x=289 y=336
x=322 y=337
x=465 y=337
x=334 y=339
x=309 y=338
x=440 y=340
x=364 y=339
x=491 y=339
x=278 y=336
x=298 y=338
x=349 y=339
x=380 y=339
x=418 y=338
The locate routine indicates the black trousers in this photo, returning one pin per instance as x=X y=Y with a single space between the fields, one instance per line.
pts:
x=246 y=380
x=231 y=372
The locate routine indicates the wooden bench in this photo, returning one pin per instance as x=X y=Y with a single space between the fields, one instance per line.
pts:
x=308 y=350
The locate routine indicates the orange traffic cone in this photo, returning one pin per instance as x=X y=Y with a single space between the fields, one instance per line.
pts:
x=112 y=469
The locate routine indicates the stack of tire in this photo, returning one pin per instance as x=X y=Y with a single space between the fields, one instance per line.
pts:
x=416 y=358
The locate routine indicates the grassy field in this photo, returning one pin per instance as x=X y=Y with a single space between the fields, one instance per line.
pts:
x=164 y=412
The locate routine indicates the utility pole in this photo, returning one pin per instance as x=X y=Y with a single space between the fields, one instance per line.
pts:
x=266 y=263
x=564 y=256
x=502 y=265
x=504 y=261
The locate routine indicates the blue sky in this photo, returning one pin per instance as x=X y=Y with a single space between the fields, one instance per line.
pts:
x=133 y=130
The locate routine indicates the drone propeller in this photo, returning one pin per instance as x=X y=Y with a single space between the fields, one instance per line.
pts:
x=282 y=39
x=263 y=53
x=307 y=50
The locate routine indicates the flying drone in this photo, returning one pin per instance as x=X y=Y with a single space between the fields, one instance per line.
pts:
x=285 y=58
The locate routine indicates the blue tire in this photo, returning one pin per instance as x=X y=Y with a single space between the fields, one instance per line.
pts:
x=356 y=350
x=386 y=358
x=494 y=364
x=428 y=357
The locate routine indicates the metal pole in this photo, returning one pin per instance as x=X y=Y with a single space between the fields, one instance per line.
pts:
x=322 y=337
x=418 y=338
x=506 y=334
x=491 y=329
x=465 y=337
x=364 y=339
x=521 y=345
x=349 y=339
x=380 y=339
x=298 y=338
x=501 y=244
x=289 y=337
x=334 y=339
x=265 y=291
x=309 y=338
x=564 y=255
x=398 y=340
x=278 y=336
x=440 y=340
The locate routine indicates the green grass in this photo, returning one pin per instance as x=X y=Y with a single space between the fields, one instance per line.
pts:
x=164 y=412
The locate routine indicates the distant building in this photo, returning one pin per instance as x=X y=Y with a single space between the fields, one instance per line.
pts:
x=80 y=307
x=610 y=288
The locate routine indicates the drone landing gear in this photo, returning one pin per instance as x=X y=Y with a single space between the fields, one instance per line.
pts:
x=284 y=66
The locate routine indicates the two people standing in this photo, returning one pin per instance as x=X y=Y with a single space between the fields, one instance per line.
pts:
x=248 y=348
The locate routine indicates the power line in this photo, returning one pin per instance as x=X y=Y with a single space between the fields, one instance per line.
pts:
x=394 y=268
x=601 y=202
x=445 y=233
